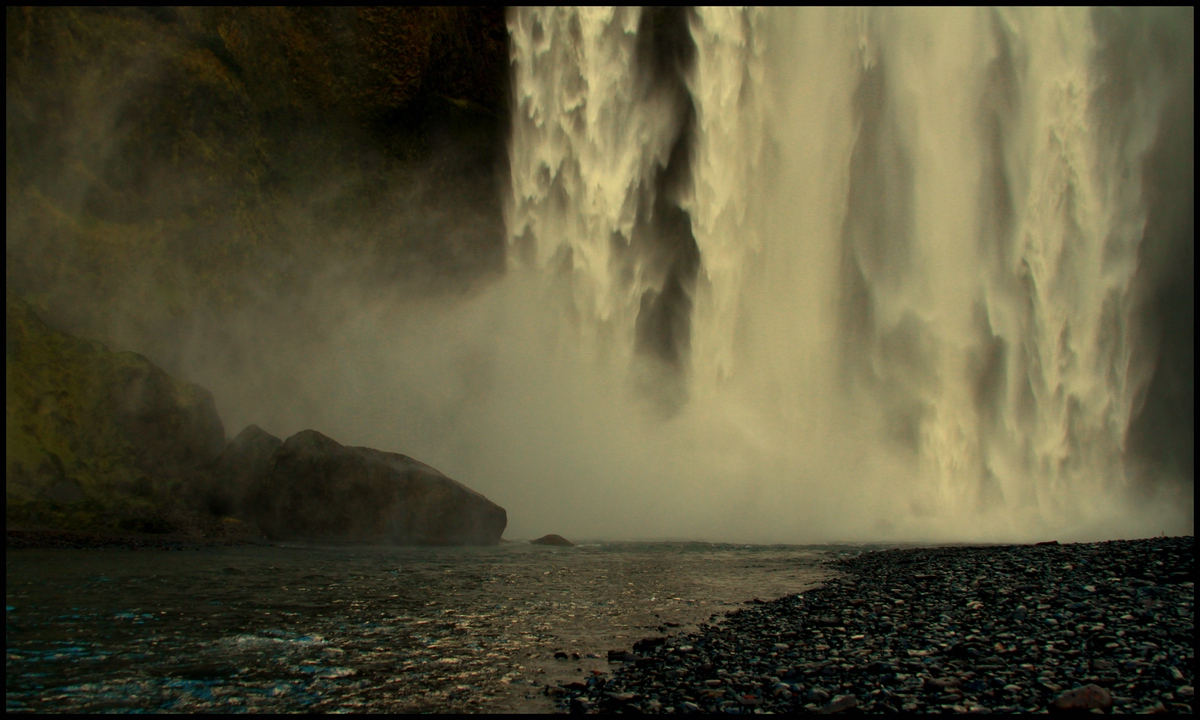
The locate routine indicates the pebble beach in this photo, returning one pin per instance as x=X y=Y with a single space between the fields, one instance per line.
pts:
x=1095 y=627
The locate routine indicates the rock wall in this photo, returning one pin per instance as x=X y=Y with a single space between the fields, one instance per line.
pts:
x=106 y=441
x=170 y=173
x=165 y=165
x=98 y=439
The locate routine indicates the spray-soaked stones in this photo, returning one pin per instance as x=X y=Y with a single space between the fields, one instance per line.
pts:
x=315 y=488
x=1101 y=627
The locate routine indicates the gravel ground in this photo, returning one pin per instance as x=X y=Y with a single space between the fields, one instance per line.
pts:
x=1105 y=627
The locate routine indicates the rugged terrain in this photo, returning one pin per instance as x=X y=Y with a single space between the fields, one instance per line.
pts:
x=100 y=444
x=1107 y=626
x=168 y=168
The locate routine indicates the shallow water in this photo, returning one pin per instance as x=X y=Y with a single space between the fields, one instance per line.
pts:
x=308 y=628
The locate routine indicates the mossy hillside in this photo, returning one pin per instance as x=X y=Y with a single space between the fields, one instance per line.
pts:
x=98 y=439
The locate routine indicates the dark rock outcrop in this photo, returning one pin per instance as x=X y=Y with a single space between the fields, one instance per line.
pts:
x=159 y=160
x=552 y=539
x=98 y=441
x=246 y=457
x=97 y=438
x=316 y=488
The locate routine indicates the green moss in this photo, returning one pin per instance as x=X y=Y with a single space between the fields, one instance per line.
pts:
x=69 y=459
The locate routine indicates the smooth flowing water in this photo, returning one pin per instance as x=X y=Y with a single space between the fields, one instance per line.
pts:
x=321 y=629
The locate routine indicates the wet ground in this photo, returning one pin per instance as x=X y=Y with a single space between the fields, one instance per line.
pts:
x=304 y=628
x=1100 y=627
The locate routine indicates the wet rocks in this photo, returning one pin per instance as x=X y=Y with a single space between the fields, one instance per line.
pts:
x=648 y=645
x=839 y=704
x=1053 y=627
x=316 y=488
x=553 y=540
x=1088 y=697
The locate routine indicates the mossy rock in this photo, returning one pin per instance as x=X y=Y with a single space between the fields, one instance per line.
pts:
x=97 y=439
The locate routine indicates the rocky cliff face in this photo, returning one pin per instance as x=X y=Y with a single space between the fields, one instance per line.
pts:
x=104 y=441
x=100 y=440
x=172 y=172
x=165 y=166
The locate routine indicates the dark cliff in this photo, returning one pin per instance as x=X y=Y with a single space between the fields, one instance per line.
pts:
x=101 y=440
x=104 y=441
x=167 y=163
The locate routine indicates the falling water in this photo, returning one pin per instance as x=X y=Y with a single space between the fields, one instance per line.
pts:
x=854 y=273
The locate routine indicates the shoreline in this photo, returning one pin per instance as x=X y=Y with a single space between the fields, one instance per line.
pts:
x=298 y=628
x=75 y=540
x=1005 y=628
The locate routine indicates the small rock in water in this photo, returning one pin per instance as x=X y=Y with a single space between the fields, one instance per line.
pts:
x=1084 y=698
x=552 y=539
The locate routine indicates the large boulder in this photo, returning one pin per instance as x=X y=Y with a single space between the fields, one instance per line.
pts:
x=245 y=458
x=316 y=488
x=95 y=438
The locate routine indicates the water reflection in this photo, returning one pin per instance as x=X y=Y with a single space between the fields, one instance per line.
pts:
x=303 y=628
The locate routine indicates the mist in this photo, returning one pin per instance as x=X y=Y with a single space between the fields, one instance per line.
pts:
x=761 y=276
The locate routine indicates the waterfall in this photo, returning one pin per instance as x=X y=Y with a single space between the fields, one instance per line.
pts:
x=868 y=272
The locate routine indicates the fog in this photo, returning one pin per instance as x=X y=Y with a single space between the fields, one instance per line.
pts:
x=780 y=276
